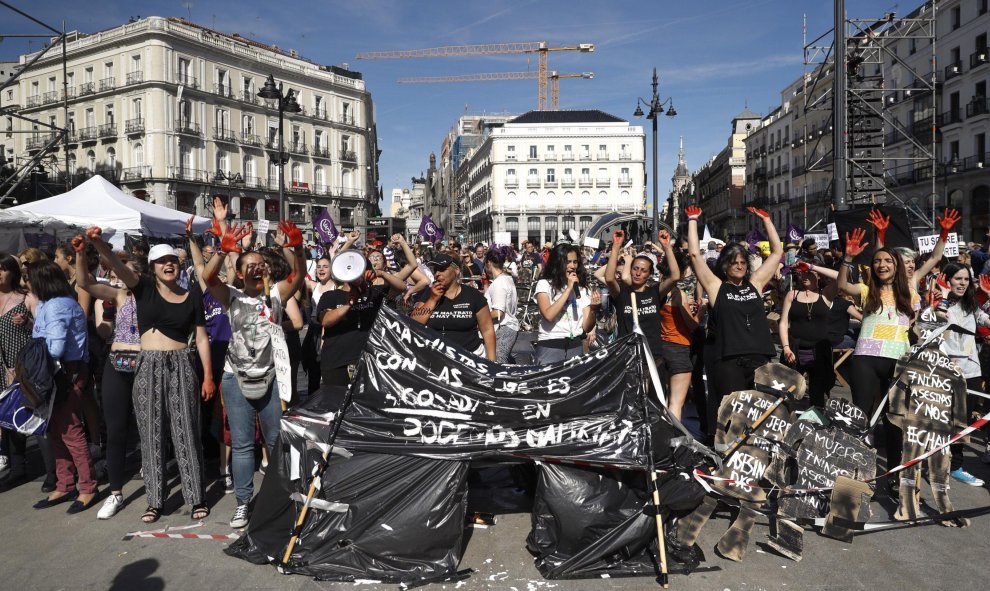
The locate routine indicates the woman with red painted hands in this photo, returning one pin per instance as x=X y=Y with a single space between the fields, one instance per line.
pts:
x=956 y=304
x=889 y=308
x=738 y=332
x=457 y=311
x=649 y=304
x=908 y=256
x=249 y=385
x=166 y=387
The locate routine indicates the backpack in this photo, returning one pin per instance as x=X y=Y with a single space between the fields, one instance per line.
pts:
x=35 y=370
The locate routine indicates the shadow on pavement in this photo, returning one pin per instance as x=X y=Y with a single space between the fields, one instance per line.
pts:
x=137 y=575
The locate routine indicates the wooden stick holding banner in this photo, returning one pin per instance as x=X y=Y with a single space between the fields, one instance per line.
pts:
x=756 y=424
x=661 y=543
x=318 y=472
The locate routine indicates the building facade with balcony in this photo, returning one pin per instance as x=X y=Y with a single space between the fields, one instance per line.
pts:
x=720 y=183
x=546 y=172
x=959 y=111
x=169 y=111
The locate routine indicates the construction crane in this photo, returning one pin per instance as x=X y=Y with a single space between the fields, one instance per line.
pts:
x=554 y=79
x=541 y=48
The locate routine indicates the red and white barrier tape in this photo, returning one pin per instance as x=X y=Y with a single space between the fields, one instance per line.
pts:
x=700 y=476
x=166 y=533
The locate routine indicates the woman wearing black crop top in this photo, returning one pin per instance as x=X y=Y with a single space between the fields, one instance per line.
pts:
x=739 y=339
x=804 y=332
x=166 y=384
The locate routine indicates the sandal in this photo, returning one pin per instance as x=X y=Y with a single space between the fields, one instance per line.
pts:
x=201 y=511
x=151 y=515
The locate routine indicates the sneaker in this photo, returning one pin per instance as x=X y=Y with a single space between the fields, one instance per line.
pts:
x=228 y=484
x=240 y=518
x=111 y=506
x=965 y=477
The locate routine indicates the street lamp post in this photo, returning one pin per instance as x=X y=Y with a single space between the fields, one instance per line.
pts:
x=286 y=104
x=656 y=108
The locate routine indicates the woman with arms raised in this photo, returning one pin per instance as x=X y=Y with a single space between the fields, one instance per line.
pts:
x=165 y=384
x=739 y=334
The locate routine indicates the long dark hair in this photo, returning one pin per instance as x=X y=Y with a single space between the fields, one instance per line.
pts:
x=968 y=299
x=555 y=271
x=902 y=292
x=48 y=281
x=13 y=266
x=727 y=256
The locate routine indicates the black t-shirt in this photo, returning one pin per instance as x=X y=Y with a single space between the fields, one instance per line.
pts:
x=738 y=322
x=344 y=341
x=648 y=303
x=456 y=320
x=838 y=320
x=176 y=321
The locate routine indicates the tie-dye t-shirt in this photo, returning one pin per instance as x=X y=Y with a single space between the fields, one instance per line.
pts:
x=885 y=332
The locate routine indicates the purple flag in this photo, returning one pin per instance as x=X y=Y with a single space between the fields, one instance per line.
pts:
x=794 y=234
x=430 y=230
x=753 y=237
x=324 y=227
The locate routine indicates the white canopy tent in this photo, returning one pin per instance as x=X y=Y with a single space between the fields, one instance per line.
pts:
x=98 y=203
x=20 y=229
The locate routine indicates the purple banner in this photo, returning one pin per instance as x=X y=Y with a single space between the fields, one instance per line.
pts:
x=324 y=227
x=430 y=230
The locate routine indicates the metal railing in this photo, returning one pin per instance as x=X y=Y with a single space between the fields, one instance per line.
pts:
x=187 y=127
x=348 y=156
x=251 y=139
x=249 y=97
x=135 y=77
x=979 y=57
x=954 y=69
x=188 y=174
x=87 y=134
x=135 y=125
x=49 y=97
x=186 y=80
x=603 y=183
x=298 y=148
x=135 y=173
x=321 y=151
x=223 y=90
x=87 y=88
x=978 y=106
x=107 y=130
x=108 y=84
x=513 y=184
x=346 y=119
x=224 y=135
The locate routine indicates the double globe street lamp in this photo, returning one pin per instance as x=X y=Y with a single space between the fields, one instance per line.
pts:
x=286 y=104
x=655 y=106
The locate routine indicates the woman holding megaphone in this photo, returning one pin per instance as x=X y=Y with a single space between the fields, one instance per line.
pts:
x=347 y=313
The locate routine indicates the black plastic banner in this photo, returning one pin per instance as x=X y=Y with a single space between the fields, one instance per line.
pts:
x=416 y=394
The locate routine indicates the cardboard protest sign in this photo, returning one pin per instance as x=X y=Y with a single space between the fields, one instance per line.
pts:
x=928 y=403
x=749 y=425
x=821 y=240
x=421 y=396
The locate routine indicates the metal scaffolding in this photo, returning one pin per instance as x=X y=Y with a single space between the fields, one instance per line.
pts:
x=862 y=91
x=47 y=144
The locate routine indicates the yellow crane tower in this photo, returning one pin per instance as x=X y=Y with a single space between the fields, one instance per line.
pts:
x=554 y=79
x=541 y=48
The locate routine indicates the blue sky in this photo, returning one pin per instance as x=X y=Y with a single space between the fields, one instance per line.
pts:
x=714 y=56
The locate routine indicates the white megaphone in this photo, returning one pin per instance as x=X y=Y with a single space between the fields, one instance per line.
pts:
x=348 y=266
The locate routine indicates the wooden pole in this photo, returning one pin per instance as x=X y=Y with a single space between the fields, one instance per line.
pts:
x=663 y=579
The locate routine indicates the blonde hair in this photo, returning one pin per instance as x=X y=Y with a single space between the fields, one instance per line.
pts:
x=32 y=255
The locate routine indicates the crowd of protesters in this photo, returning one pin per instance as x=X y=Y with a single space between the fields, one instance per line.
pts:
x=186 y=351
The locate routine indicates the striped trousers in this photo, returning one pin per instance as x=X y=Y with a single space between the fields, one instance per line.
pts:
x=166 y=389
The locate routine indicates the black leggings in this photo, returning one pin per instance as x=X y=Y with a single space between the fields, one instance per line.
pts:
x=870 y=380
x=726 y=376
x=973 y=404
x=116 y=389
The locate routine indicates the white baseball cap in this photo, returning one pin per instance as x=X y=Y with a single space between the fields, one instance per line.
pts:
x=161 y=250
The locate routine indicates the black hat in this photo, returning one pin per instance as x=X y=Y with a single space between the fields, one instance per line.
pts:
x=441 y=261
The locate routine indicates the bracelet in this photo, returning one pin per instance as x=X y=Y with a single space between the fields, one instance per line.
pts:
x=786 y=346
